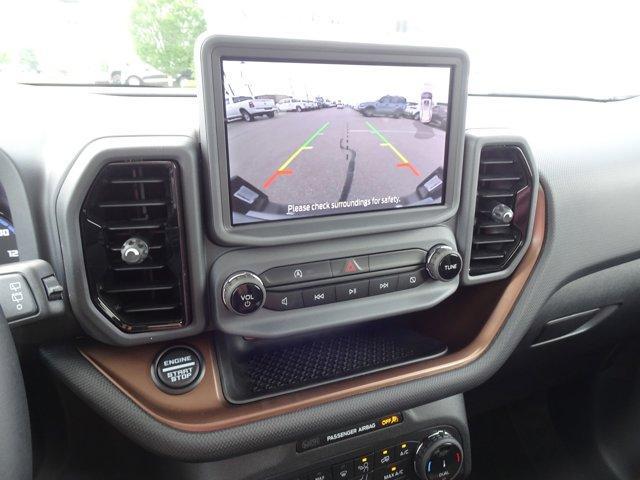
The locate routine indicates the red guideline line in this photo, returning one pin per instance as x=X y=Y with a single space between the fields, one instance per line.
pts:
x=411 y=167
x=275 y=175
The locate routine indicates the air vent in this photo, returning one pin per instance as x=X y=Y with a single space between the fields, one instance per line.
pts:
x=504 y=186
x=136 y=200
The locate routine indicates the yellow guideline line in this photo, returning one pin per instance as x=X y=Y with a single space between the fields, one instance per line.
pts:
x=305 y=146
x=387 y=143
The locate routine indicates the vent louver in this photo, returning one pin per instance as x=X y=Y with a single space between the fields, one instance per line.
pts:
x=504 y=180
x=136 y=199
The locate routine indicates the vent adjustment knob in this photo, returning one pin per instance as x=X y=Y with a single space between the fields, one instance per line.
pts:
x=243 y=293
x=443 y=263
x=134 y=251
x=501 y=213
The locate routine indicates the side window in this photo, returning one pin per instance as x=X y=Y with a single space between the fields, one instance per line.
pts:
x=384 y=100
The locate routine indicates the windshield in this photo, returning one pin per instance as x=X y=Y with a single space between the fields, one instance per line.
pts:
x=534 y=48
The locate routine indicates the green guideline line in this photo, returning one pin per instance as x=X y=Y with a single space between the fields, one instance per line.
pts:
x=317 y=132
x=387 y=143
x=375 y=131
x=304 y=146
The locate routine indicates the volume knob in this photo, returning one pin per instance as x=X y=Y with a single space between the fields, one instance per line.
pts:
x=443 y=263
x=243 y=293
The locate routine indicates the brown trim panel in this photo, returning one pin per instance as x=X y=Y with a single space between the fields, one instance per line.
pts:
x=205 y=408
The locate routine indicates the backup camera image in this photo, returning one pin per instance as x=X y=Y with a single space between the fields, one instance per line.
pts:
x=311 y=139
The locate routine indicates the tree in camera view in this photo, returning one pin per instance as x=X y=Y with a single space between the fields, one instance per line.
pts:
x=164 y=32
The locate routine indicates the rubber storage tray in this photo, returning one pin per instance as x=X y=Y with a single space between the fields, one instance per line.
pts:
x=252 y=373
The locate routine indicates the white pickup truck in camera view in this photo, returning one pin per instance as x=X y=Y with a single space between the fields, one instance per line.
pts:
x=248 y=108
x=291 y=104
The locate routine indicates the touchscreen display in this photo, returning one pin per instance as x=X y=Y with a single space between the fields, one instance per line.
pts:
x=313 y=139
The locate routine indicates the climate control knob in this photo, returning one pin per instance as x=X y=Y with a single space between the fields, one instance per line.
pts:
x=439 y=457
x=243 y=293
x=443 y=263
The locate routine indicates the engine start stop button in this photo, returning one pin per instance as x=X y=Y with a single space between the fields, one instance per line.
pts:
x=178 y=369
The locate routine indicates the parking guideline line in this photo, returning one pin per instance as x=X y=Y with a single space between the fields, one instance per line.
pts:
x=282 y=169
x=387 y=143
x=304 y=146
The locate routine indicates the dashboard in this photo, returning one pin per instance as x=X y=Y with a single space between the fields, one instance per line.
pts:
x=290 y=293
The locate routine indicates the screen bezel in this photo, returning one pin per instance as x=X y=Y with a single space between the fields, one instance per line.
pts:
x=214 y=140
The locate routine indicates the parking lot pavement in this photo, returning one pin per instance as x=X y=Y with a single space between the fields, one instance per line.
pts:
x=306 y=157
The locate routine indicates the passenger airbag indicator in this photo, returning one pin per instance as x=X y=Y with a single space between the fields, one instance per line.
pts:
x=349 y=432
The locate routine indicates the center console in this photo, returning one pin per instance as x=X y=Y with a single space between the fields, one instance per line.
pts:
x=353 y=243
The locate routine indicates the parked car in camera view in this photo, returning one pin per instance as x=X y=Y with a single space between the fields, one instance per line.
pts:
x=412 y=111
x=248 y=108
x=439 y=116
x=294 y=105
x=325 y=102
x=389 y=106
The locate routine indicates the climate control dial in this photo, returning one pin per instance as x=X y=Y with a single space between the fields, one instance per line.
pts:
x=439 y=457
x=243 y=293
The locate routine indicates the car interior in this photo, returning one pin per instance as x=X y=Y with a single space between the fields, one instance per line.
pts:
x=262 y=254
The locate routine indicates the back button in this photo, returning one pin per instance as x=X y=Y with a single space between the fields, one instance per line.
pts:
x=283 y=300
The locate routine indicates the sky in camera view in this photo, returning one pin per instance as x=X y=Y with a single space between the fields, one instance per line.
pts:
x=544 y=47
x=349 y=83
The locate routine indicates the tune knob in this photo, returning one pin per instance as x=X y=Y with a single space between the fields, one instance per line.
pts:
x=439 y=457
x=243 y=293
x=443 y=263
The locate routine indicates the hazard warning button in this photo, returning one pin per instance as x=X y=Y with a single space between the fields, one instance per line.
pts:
x=350 y=266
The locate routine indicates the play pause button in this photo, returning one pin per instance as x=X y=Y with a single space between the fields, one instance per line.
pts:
x=351 y=290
